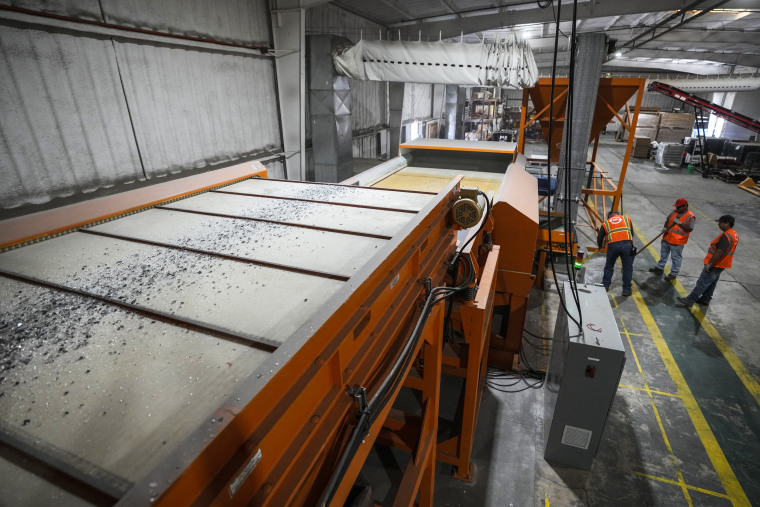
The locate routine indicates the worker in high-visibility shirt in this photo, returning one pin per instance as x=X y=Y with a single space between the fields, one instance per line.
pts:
x=678 y=224
x=617 y=230
x=719 y=257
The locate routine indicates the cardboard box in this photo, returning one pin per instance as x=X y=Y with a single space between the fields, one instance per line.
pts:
x=640 y=147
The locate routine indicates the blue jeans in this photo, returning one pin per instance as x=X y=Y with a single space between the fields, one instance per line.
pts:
x=620 y=249
x=676 y=254
x=705 y=285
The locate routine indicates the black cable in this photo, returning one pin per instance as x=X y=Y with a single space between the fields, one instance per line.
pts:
x=537 y=336
x=449 y=330
x=569 y=225
x=523 y=359
x=392 y=381
x=550 y=144
x=450 y=306
x=491 y=383
x=556 y=25
x=517 y=390
x=539 y=348
x=568 y=168
x=524 y=378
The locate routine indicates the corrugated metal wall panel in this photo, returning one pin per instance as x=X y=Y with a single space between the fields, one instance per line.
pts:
x=82 y=9
x=511 y=98
x=64 y=124
x=369 y=104
x=275 y=169
x=239 y=21
x=191 y=108
x=365 y=146
x=328 y=19
x=439 y=96
x=418 y=102
x=79 y=110
x=654 y=99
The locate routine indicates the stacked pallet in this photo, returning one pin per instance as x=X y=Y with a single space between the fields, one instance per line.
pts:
x=640 y=147
x=674 y=127
x=646 y=126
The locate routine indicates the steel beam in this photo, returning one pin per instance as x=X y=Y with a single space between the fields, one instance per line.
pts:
x=288 y=29
x=710 y=37
x=726 y=58
x=477 y=22
x=395 y=109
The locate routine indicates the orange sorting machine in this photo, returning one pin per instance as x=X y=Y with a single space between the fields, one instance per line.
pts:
x=502 y=253
x=242 y=344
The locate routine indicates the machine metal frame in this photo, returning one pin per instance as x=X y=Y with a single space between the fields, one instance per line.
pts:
x=504 y=279
x=278 y=436
x=613 y=95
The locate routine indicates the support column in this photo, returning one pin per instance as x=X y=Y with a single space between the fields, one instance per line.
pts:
x=588 y=65
x=288 y=28
x=330 y=113
x=453 y=110
x=395 y=107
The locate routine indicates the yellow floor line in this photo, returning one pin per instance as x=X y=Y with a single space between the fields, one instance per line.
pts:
x=750 y=382
x=646 y=390
x=681 y=482
x=714 y=452
x=668 y=481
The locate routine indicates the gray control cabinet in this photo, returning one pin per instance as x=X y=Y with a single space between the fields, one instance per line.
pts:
x=584 y=370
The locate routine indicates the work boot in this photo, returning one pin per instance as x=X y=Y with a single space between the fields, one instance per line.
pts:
x=655 y=270
x=686 y=302
x=627 y=293
x=703 y=302
x=670 y=276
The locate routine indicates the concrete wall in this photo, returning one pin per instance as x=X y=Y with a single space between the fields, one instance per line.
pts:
x=84 y=108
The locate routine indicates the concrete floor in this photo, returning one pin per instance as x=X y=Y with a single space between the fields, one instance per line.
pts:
x=684 y=428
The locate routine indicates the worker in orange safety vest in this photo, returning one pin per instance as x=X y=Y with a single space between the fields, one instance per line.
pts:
x=678 y=225
x=617 y=232
x=719 y=257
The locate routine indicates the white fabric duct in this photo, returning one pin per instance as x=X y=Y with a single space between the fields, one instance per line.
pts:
x=504 y=64
x=722 y=84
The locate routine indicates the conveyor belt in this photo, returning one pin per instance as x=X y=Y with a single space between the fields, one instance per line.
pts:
x=433 y=179
x=119 y=341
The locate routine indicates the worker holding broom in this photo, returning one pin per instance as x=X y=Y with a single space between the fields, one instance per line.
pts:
x=617 y=233
x=678 y=225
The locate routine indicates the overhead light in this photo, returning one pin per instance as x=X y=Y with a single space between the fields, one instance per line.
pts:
x=618 y=54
